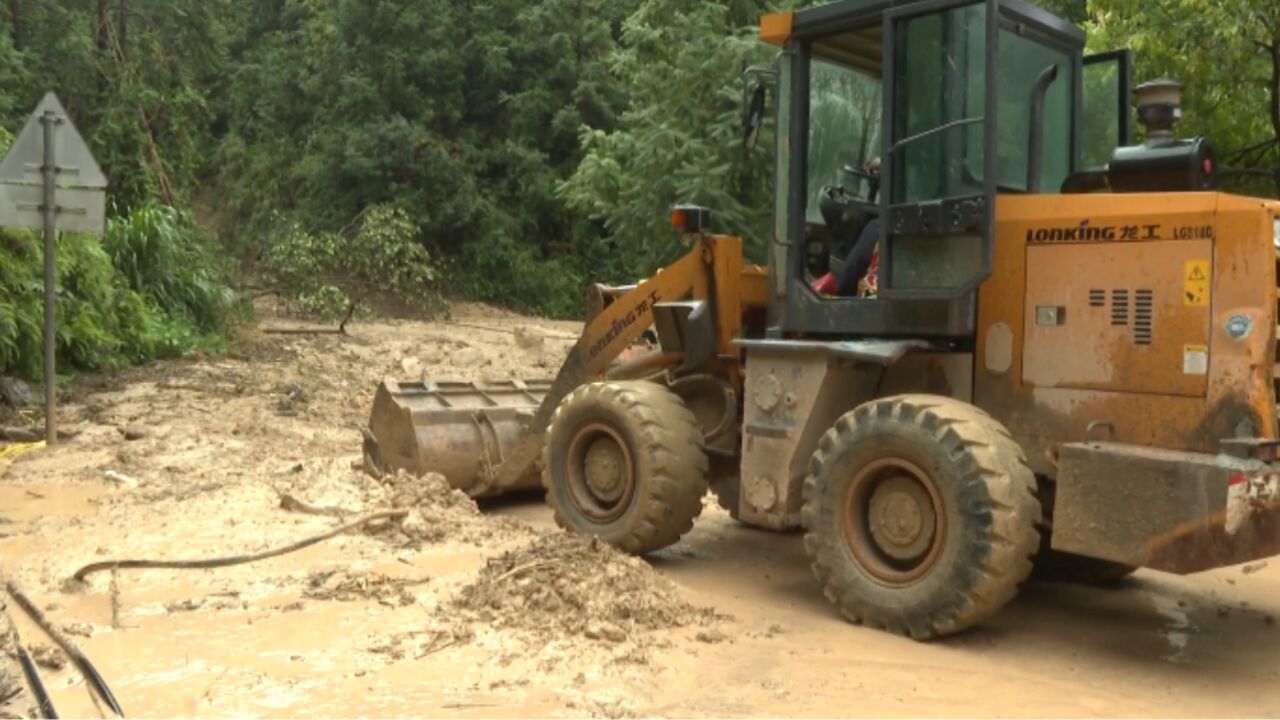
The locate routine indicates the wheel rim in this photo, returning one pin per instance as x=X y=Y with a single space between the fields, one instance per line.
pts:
x=600 y=473
x=894 y=521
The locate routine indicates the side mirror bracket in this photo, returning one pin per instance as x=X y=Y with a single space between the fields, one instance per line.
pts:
x=754 y=103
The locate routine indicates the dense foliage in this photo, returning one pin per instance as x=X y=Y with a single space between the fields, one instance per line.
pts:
x=332 y=271
x=1228 y=52
x=502 y=150
x=149 y=288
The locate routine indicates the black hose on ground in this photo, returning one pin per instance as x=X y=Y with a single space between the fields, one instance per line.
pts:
x=33 y=681
x=86 y=668
x=207 y=563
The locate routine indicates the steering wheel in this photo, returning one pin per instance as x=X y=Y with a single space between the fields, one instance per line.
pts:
x=838 y=193
x=862 y=174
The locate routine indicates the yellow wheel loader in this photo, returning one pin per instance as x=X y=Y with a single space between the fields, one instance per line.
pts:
x=1069 y=361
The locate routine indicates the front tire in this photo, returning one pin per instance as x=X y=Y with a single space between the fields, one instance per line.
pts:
x=919 y=515
x=623 y=461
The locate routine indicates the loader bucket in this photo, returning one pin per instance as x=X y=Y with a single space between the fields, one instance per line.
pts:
x=462 y=430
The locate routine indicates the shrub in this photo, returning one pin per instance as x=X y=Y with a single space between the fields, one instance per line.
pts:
x=324 y=273
x=150 y=288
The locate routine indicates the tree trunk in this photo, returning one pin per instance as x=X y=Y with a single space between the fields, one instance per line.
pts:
x=1275 y=104
x=15 y=23
x=102 y=33
x=123 y=29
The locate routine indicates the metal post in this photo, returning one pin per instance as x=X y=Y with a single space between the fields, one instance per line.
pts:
x=50 y=172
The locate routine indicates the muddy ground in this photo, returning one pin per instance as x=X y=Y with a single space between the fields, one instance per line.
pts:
x=465 y=611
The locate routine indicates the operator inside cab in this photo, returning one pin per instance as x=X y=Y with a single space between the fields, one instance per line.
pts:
x=842 y=213
x=859 y=273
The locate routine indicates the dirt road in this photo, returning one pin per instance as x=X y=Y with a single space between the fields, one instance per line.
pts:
x=491 y=612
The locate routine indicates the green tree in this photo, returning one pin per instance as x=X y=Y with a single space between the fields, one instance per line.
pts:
x=679 y=138
x=1228 y=54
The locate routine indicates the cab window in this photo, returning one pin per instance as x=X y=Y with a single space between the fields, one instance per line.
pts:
x=844 y=127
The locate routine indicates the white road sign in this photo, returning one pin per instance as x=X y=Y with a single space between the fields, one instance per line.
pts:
x=50 y=181
x=79 y=209
x=80 y=182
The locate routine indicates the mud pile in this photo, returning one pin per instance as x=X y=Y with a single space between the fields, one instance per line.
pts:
x=563 y=584
x=439 y=513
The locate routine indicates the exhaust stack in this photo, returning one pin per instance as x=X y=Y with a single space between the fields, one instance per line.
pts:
x=1163 y=163
x=1159 y=105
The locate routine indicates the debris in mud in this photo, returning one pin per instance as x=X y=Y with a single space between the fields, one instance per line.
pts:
x=573 y=585
x=432 y=354
x=292 y=398
x=605 y=631
x=133 y=432
x=711 y=636
x=418 y=644
x=80 y=629
x=9 y=686
x=412 y=368
x=219 y=601
x=430 y=492
x=346 y=586
x=16 y=393
x=120 y=478
x=467 y=357
x=439 y=512
x=529 y=338
x=47 y=656
x=1253 y=567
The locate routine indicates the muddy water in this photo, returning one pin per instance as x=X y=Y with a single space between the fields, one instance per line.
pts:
x=223 y=438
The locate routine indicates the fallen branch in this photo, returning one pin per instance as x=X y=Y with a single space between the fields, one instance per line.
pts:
x=30 y=435
x=218 y=562
x=340 y=330
x=522 y=568
x=508 y=331
x=436 y=648
x=293 y=504
x=115 y=599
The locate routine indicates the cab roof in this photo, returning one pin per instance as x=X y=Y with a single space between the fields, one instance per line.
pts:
x=840 y=15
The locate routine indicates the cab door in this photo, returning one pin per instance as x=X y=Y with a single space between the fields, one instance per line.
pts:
x=940 y=157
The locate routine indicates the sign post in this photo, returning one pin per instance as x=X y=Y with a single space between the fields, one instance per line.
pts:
x=49 y=178
x=49 y=169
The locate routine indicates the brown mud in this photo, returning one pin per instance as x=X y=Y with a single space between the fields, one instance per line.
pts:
x=467 y=611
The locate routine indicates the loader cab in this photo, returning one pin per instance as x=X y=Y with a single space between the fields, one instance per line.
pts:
x=961 y=101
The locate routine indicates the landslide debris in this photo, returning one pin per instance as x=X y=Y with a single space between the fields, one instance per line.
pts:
x=571 y=585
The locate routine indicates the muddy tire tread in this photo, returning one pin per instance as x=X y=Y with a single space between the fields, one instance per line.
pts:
x=985 y=453
x=667 y=433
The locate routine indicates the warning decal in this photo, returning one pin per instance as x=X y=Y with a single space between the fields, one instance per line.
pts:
x=1195 y=359
x=1196 y=287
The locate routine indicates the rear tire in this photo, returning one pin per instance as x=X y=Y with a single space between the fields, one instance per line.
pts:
x=919 y=515
x=623 y=461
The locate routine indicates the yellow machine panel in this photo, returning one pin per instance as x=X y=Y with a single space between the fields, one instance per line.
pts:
x=1122 y=316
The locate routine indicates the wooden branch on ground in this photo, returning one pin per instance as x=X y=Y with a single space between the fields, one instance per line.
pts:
x=509 y=331
x=30 y=435
x=340 y=330
x=293 y=504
